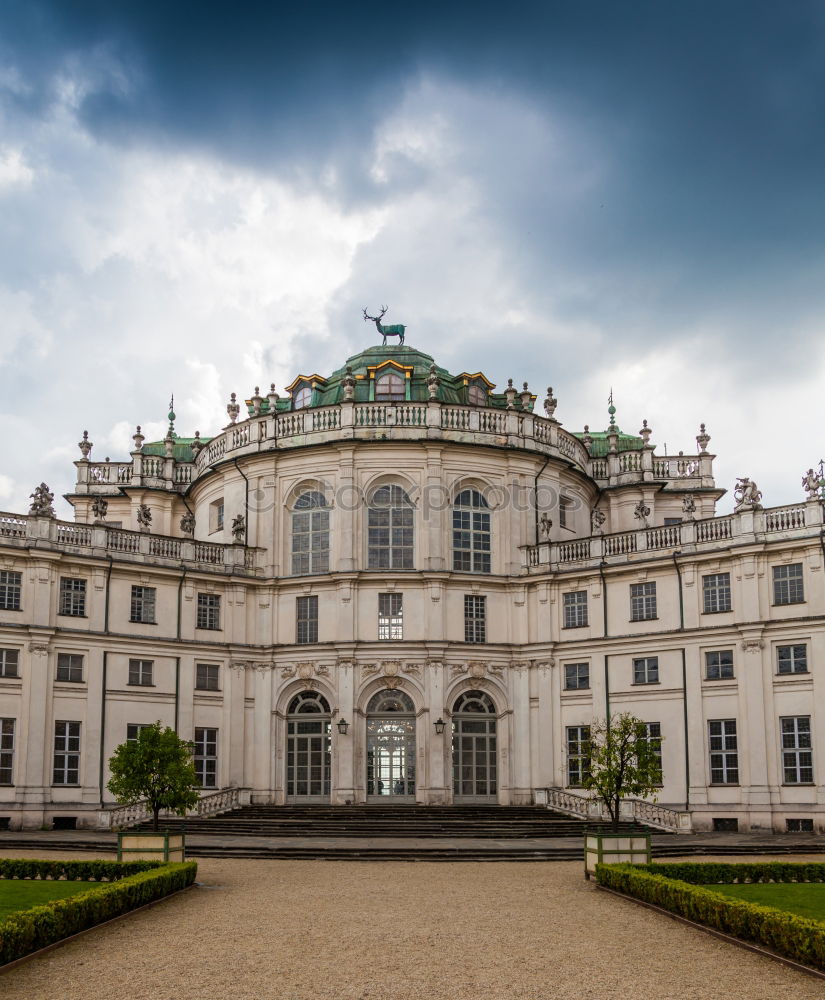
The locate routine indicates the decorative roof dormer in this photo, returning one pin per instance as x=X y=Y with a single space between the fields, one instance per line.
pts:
x=302 y=390
x=477 y=388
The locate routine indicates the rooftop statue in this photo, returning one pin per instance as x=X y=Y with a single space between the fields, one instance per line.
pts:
x=396 y=330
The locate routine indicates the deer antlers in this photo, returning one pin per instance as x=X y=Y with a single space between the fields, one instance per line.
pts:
x=375 y=319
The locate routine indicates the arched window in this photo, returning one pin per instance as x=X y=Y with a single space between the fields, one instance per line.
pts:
x=308 y=702
x=308 y=769
x=471 y=533
x=390 y=746
x=310 y=534
x=390 y=529
x=474 y=701
x=390 y=701
x=477 y=396
x=474 y=748
x=390 y=386
x=302 y=398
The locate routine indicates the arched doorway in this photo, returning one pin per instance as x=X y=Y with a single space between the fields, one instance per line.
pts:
x=391 y=747
x=474 y=748
x=308 y=748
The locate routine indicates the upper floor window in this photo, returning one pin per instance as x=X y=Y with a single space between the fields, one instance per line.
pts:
x=390 y=386
x=642 y=601
x=672 y=520
x=576 y=676
x=575 y=609
x=140 y=672
x=9 y=662
x=133 y=730
x=310 y=534
x=390 y=529
x=792 y=659
x=476 y=396
x=143 y=605
x=716 y=593
x=302 y=397
x=475 y=618
x=390 y=616
x=209 y=611
x=11 y=584
x=216 y=510
x=306 y=619
x=72 y=597
x=787 y=584
x=69 y=667
x=646 y=670
x=471 y=533
x=565 y=508
x=719 y=664
x=207 y=677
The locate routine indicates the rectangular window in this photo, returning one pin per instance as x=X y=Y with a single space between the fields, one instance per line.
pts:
x=143 y=605
x=11 y=584
x=792 y=659
x=646 y=670
x=716 y=593
x=578 y=755
x=719 y=665
x=642 y=601
x=799 y=825
x=390 y=616
x=133 y=730
x=672 y=520
x=787 y=584
x=306 y=619
x=797 y=755
x=575 y=609
x=565 y=504
x=654 y=739
x=6 y=751
x=209 y=611
x=66 y=753
x=9 y=662
x=207 y=677
x=576 y=676
x=140 y=672
x=724 y=752
x=69 y=667
x=72 y=597
x=206 y=757
x=475 y=618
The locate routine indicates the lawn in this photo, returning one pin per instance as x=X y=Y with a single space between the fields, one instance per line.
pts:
x=21 y=894
x=805 y=899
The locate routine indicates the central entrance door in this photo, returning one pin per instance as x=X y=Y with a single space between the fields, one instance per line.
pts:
x=474 y=748
x=391 y=747
x=308 y=748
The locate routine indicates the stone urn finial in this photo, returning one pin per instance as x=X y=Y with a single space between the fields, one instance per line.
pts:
x=702 y=439
x=272 y=398
x=348 y=383
x=587 y=439
x=645 y=433
x=85 y=446
x=197 y=445
x=433 y=382
x=256 y=401
x=526 y=398
x=510 y=394
x=550 y=403
x=232 y=408
x=138 y=438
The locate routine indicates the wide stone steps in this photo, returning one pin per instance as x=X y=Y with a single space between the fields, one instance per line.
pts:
x=476 y=822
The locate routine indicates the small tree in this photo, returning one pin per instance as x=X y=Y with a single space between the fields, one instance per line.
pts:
x=623 y=761
x=158 y=767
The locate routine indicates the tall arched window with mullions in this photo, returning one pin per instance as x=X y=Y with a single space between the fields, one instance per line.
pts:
x=310 y=534
x=390 y=532
x=471 y=533
x=390 y=386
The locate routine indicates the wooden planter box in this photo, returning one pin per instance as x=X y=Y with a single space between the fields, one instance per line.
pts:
x=607 y=848
x=145 y=845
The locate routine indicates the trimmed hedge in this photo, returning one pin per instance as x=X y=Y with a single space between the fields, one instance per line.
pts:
x=74 y=871
x=794 y=937
x=29 y=930
x=708 y=873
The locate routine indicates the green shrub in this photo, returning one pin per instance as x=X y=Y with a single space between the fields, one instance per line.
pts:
x=784 y=933
x=75 y=871
x=39 y=926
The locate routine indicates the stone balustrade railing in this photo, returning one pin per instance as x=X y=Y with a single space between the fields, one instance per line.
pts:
x=588 y=808
x=46 y=532
x=404 y=421
x=794 y=519
x=212 y=804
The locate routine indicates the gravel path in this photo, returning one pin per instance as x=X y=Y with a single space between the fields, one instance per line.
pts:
x=310 y=930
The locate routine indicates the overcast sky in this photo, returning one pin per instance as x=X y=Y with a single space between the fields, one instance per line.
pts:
x=201 y=197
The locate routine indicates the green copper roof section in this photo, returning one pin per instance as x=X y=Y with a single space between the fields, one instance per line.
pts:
x=181 y=450
x=599 y=443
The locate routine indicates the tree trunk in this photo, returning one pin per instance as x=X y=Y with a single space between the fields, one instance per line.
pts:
x=155 y=816
x=616 y=812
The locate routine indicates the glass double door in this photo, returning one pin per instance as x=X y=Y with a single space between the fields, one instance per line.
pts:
x=308 y=760
x=474 y=759
x=390 y=758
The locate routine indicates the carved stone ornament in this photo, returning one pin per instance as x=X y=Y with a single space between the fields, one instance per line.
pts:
x=305 y=670
x=597 y=519
x=39 y=648
x=812 y=484
x=187 y=523
x=239 y=529
x=747 y=495
x=262 y=666
x=688 y=508
x=348 y=383
x=392 y=683
x=42 y=502
x=457 y=669
x=288 y=670
x=238 y=665
x=752 y=645
x=702 y=439
x=545 y=524
x=369 y=668
x=497 y=669
x=433 y=382
x=144 y=515
x=641 y=512
x=85 y=446
x=476 y=669
x=390 y=668
x=412 y=668
x=100 y=508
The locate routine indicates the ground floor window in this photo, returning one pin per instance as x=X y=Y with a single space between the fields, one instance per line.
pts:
x=66 y=770
x=206 y=757
x=308 y=755
x=474 y=747
x=6 y=751
x=391 y=745
x=797 y=755
x=724 y=752
x=578 y=755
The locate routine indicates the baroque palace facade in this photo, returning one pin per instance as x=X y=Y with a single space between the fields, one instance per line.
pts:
x=395 y=584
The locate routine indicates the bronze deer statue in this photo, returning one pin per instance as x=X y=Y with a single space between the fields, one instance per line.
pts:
x=396 y=330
